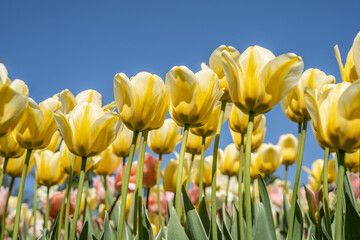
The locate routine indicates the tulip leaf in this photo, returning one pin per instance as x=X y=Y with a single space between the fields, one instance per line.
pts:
x=160 y=234
x=298 y=223
x=226 y=233
x=24 y=230
x=146 y=225
x=235 y=231
x=204 y=216
x=174 y=228
x=219 y=232
x=227 y=218
x=286 y=205
x=84 y=232
x=91 y=225
x=54 y=228
x=194 y=223
x=324 y=232
x=310 y=201
x=107 y=232
x=265 y=200
x=262 y=228
x=349 y=190
x=352 y=219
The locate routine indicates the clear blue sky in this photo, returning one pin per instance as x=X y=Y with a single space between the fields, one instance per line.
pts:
x=53 y=45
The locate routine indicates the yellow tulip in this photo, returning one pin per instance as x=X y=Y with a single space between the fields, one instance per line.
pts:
x=90 y=200
x=351 y=72
x=169 y=175
x=229 y=163
x=14 y=101
x=315 y=172
x=255 y=166
x=335 y=116
x=66 y=158
x=238 y=121
x=257 y=136
x=129 y=199
x=194 y=143
x=288 y=112
x=314 y=80
x=9 y=147
x=215 y=64
x=48 y=170
x=270 y=158
x=288 y=149
x=55 y=142
x=207 y=178
x=259 y=80
x=192 y=96
x=352 y=161
x=142 y=101
x=15 y=166
x=37 y=126
x=88 y=130
x=107 y=163
x=210 y=127
x=164 y=139
x=121 y=145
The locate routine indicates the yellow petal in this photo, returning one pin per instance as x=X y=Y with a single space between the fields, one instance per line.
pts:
x=356 y=53
x=68 y=101
x=123 y=92
x=89 y=96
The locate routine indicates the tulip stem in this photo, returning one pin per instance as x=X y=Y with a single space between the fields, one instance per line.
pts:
x=68 y=194
x=78 y=199
x=180 y=171
x=34 y=208
x=114 y=203
x=158 y=171
x=247 y=175
x=201 y=174
x=20 y=194
x=241 y=207
x=213 y=172
x=61 y=216
x=3 y=170
x=86 y=194
x=339 y=194
x=124 y=186
x=105 y=189
x=5 y=209
x=326 y=193
x=47 y=208
x=297 y=179
x=286 y=178
x=187 y=183
x=147 y=197
x=227 y=191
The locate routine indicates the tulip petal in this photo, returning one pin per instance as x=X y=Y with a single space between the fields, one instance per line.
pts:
x=20 y=86
x=311 y=105
x=3 y=74
x=338 y=58
x=123 y=91
x=215 y=60
x=64 y=128
x=348 y=105
x=356 y=52
x=232 y=76
x=89 y=96
x=68 y=101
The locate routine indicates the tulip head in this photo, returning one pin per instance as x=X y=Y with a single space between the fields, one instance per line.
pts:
x=207 y=177
x=121 y=145
x=255 y=166
x=315 y=172
x=238 y=121
x=259 y=80
x=55 y=142
x=270 y=158
x=164 y=139
x=15 y=166
x=132 y=179
x=9 y=147
x=192 y=96
x=88 y=130
x=285 y=105
x=107 y=164
x=194 y=143
x=142 y=101
x=48 y=170
x=149 y=171
x=288 y=144
x=169 y=175
x=352 y=161
x=230 y=161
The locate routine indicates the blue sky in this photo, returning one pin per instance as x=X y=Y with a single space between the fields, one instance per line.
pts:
x=53 y=45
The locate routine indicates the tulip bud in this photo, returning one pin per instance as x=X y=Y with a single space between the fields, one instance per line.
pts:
x=288 y=149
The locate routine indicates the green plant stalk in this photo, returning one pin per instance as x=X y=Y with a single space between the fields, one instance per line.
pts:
x=286 y=178
x=213 y=172
x=5 y=208
x=86 y=194
x=188 y=179
x=105 y=188
x=78 y=199
x=320 y=181
x=247 y=175
x=124 y=186
x=34 y=208
x=61 y=216
x=158 y=171
x=180 y=171
x=297 y=179
x=147 y=190
x=46 y=219
x=3 y=171
x=326 y=193
x=20 y=194
x=241 y=209
x=339 y=195
x=201 y=174
x=227 y=191
x=68 y=194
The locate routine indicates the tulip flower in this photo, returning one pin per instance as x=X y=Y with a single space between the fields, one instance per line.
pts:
x=55 y=142
x=169 y=175
x=100 y=190
x=149 y=172
x=153 y=206
x=48 y=171
x=194 y=143
x=351 y=71
x=288 y=149
x=207 y=178
x=132 y=179
x=121 y=145
x=285 y=105
x=107 y=164
x=56 y=201
x=270 y=158
x=229 y=163
x=352 y=161
x=255 y=166
x=15 y=166
x=14 y=100
x=316 y=170
x=238 y=121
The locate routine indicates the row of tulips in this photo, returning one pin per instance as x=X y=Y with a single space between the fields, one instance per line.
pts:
x=239 y=87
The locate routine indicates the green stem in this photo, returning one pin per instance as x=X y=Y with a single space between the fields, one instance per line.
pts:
x=241 y=207
x=5 y=209
x=34 y=209
x=320 y=179
x=105 y=188
x=188 y=179
x=158 y=171
x=61 y=216
x=147 y=197
x=124 y=186
x=297 y=180
x=286 y=178
x=78 y=199
x=20 y=194
x=326 y=193
x=3 y=170
x=339 y=193
x=180 y=171
x=201 y=174
x=68 y=195
x=114 y=203
x=213 y=172
x=47 y=208
x=247 y=175
x=86 y=194
x=227 y=191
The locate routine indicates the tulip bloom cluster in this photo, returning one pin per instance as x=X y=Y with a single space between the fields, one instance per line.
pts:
x=88 y=184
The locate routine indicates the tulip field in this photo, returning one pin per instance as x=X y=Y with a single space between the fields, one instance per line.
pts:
x=88 y=184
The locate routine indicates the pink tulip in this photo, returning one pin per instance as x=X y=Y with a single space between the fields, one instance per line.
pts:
x=149 y=173
x=153 y=205
x=276 y=195
x=100 y=191
x=194 y=194
x=132 y=180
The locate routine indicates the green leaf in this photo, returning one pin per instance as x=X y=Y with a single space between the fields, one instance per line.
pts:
x=204 y=216
x=324 y=232
x=265 y=200
x=352 y=219
x=24 y=230
x=84 y=231
x=54 y=228
x=286 y=211
x=92 y=229
x=107 y=232
x=227 y=218
x=174 y=228
x=146 y=225
x=298 y=223
x=160 y=234
x=196 y=229
x=235 y=231
x=262 y=229
x=226 y=233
